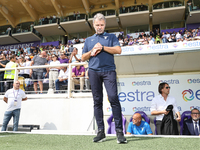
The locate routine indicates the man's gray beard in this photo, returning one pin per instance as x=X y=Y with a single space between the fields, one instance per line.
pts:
x=98 y=32
x=196 y=119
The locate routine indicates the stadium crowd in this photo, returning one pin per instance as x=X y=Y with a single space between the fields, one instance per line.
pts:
x=155 y=37
x=50 y=55
x=68 y=53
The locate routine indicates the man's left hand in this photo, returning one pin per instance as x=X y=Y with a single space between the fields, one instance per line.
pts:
x=96 y=49
x=178 y=119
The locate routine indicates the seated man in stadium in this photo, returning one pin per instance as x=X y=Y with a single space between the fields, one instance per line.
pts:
x=159 y=106
x=63 y=58
x=74 y=56
x=191 y=126
x=62 y=77
x=138 y=126
x=78 y=74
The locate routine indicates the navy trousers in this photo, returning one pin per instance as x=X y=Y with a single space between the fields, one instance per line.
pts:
x=109 y=79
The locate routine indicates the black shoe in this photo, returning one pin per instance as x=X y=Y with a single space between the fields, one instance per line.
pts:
x=100 y=136
x=120 y=136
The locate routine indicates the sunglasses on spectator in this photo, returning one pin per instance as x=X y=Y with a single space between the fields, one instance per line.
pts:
x=168 y=87
x=194 y=113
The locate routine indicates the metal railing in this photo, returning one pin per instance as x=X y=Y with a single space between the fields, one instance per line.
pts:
x=170 y=4
x=70 y=65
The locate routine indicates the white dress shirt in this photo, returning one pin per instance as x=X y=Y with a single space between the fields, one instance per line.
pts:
x=159 y=104
x=63 y=74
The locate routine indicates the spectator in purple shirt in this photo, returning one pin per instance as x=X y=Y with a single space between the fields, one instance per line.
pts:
x=63 y=58
x=78 y=74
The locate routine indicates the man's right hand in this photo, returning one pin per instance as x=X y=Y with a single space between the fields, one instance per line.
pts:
x=165 y=112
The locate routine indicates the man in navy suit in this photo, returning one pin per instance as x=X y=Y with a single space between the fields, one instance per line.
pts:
x=191 y=126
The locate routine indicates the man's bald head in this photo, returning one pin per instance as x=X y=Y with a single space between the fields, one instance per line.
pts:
x=138 y=116
x=137 y=119
x=44 y=54
x=16 y=85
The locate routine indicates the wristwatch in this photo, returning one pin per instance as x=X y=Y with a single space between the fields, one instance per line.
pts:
x=102 y=48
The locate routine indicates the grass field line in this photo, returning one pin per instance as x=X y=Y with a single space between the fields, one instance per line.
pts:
x=50 y=132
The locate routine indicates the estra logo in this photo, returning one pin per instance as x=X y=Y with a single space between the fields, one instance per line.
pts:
x=149 y=47
x=190 y=81
x=140 y=83
x=141 y=109
x=184 y=44
x=109 y=109
x=170 y=81
x=188 y=95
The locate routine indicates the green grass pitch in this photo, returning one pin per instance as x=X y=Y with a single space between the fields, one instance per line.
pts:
x=12 y=141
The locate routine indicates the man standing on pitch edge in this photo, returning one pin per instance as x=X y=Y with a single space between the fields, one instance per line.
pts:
x=13 y=97
x=99 y=50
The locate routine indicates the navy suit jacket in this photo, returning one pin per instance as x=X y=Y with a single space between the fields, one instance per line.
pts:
x=188 y=127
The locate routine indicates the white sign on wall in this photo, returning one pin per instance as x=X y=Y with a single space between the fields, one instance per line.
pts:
x=136 y=94
x=160 y=48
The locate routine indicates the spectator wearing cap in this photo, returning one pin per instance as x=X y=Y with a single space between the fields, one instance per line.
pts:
x=78 y=74
x=53 y=74
x=74 y=57
x=62 y=77
x=63 y=58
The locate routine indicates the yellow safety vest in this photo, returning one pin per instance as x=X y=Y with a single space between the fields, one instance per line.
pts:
x=10 y=74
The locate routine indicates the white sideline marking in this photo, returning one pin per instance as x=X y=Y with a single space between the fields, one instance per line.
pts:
x=55 y=132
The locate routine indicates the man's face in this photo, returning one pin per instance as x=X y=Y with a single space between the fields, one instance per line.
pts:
x=16 y=85
x=14 y=59
x=135 y=119
x=78 y=67
x=166 y=89
x=195 y=115
x=99 y=26
x=62 y=56
x=75 y=51
x=44 y=54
